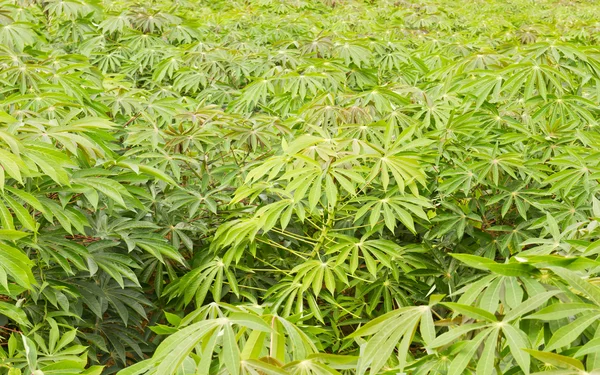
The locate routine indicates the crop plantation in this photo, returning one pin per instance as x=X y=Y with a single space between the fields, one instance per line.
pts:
x=299 y=187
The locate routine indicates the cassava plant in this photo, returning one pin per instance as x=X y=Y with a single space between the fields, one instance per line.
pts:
x=299 y=187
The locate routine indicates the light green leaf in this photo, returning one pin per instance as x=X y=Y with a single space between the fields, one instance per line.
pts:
x=517 y=342
x=471 y=311
x=556 y=359
x=569 y=333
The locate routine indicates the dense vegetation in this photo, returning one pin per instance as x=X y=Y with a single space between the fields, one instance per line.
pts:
x=292 y=187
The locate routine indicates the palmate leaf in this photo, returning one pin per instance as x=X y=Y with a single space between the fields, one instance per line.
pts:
x=534 y=78
x=354 y=53
x=495 y=165
x=392 y=207
x=17 y=35
x=287 y=299
x=173 y=351
x=303 y=85
x=66 y=254
x=48 y=161
x=487 y=87
x=350 y=250
x=516 y=339
x=384 y=99
x=387 y=331
x=314 y=274
x=115 y=23
x=458 y=179
x=196 y=284
x=116 y=265
x=285 y=342
x=108 y=187
x=404 y=168
x=253 y=94
x=461 y=361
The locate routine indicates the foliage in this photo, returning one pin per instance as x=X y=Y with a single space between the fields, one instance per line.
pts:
x=299 y=187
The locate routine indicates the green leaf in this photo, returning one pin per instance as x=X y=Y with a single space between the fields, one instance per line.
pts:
x=556 y=359
x=455 y=333
x=249 y=321
x=231 y=352
x=30 y=352
x=462 y=359
x=12 y=235
x=17 y=265
x=591 y=347
x=263 y=367
x=517 y=342
x=569 y=333
x=577 y=282
x=471 y=311
x=14 y=313
x=253 y=346
x=21 y=213
x=529 y=305
x=172 y=351
x=485 y=365
x=562 y=310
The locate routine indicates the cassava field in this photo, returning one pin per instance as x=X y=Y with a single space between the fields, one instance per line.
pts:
x=299 y=187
